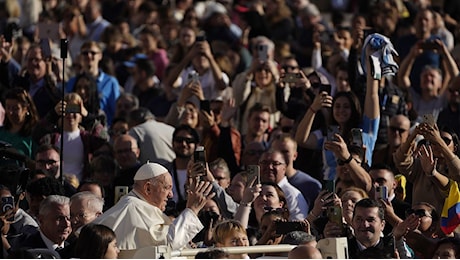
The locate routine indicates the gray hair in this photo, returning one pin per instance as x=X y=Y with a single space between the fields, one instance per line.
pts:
x=94 y=203
x=48 y=202
x=298 y=238
x=220 y=163
x=134 y=99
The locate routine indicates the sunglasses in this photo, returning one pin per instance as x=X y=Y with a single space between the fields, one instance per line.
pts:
x=188 y=140
x=446 y=140
x=418 y=212
x=263 y=69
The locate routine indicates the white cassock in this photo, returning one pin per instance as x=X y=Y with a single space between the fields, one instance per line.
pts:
x=138 y=224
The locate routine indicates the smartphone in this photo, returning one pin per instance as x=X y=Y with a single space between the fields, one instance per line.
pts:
x=262 y=52
x=381 y=192
x=284 y=227
x=8 y=204
x=253 y=172
x=199 y=155
x=334 y=214
x=120 y=191
x=72 y=108
x=429 y=119
x=329 y=185
x=291 y=77
x=200 y=38
x=357 y=137
x=429 y=45
x=193 y=76
x=326 y=88
x=49 y=31
x=205 y=105
x=331 y=131
x=46 y=48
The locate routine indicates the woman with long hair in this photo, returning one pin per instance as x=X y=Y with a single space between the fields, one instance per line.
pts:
x=21 y=118
x=345 y=115
x=96 y=242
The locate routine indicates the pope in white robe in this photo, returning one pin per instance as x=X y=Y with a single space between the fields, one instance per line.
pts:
x=138 y=219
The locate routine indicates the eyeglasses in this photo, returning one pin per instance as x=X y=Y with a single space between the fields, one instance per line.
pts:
x=418 y=212
x=90 y=52
x=272 y=163
x=46 y=162
x=188 y=140
x=395 y=128
x=446 y=140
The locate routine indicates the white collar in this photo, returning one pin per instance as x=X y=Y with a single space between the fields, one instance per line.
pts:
x=50 y=244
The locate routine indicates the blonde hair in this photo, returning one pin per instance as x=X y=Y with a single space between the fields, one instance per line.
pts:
x=73 y=98
x=226 y=228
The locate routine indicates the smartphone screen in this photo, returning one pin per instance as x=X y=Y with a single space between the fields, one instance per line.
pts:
x=8 y=204
x=262 y=52
x=329 y=185
x=325 y=88
x=357 y=135
x=46 y=48
x=205 y=106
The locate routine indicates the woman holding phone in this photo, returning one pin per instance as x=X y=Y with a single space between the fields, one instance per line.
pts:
x=346 y=114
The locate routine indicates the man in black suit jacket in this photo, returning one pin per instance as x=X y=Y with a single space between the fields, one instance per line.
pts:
x=368 y=241
x=382 y=175
x=54 y=220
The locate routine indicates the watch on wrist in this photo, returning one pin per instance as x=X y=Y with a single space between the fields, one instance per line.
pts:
x=343 y=162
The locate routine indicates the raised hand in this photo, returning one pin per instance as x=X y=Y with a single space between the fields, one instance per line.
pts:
x=198 y=193
x=427 y=161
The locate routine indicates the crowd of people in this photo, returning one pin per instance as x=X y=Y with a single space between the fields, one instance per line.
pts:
x=214 y=124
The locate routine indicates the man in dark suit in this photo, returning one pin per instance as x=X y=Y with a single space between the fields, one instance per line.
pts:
x=54 y=220
x=382 y=175
x=368 y=241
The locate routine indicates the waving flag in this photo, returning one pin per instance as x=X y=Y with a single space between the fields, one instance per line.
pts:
x=450 y=216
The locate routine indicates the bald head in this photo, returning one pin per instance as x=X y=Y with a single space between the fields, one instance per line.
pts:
x=398 y=130
x=126 y=151
x=305 y=252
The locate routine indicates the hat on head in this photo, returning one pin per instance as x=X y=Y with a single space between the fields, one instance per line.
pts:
x=149 y=170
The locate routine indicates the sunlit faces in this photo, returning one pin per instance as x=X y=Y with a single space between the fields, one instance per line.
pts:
x=82 y=88
x=187 y=37
x=448 y=140
x=263 y=76
x=445 y=250
x=367 y=225
x=91 y=57
x=268 y=197
x=235 y=239
x=383 y=177
x=80 y=213
x=15 y=111
x=222 y=178
x=184 y=144
x=190 y=116
x=431 y=80
x=126 y=151
x=36 y=66
x=426 y=221
x=341 y=110
x=258 y=123
x=424 y=21
x=48 y=160
x=55 y=225
x=398 y=131
x=236 y=188
x=349 y=199
x=159 y=191
x=272 y=167
x=112 y=250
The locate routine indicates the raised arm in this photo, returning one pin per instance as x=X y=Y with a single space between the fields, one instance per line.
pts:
x=449 y=66
x=303 y=134
x=406 y=66
x=371 y=101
